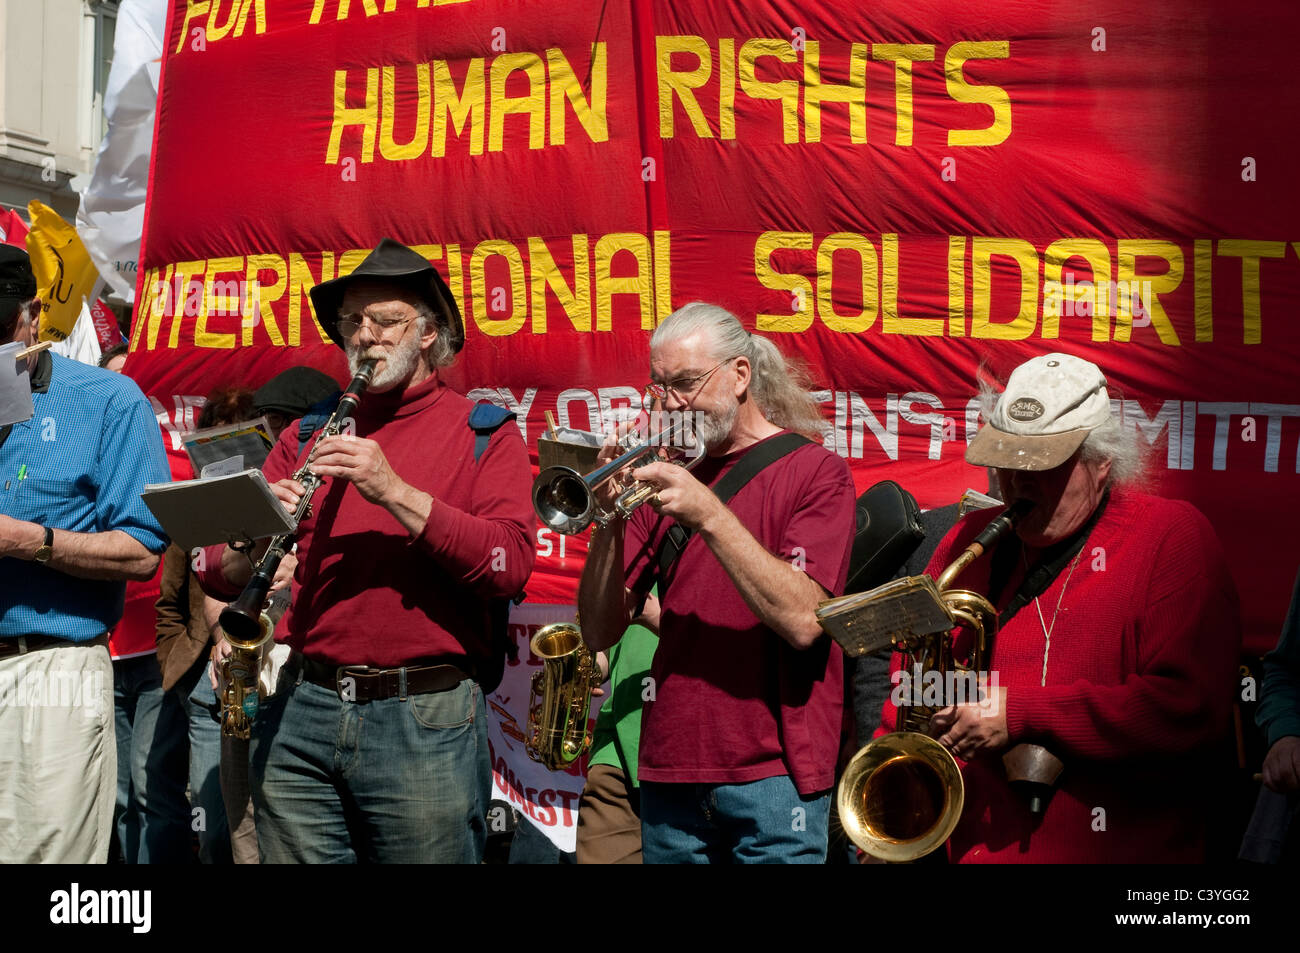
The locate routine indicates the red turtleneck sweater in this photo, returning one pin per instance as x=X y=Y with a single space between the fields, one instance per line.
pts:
x=365 y=592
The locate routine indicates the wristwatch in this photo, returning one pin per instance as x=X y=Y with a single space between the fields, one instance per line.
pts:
x=46 y=549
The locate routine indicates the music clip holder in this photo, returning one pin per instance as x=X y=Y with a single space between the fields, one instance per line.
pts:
x=234 y=509
x=898 y=611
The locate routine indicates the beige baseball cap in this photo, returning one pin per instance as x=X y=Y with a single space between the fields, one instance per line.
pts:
x=1050 y=406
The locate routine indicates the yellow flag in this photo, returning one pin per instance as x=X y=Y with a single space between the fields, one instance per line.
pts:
x=65 y=275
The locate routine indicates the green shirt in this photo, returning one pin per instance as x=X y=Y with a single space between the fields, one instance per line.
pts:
x=618 y=727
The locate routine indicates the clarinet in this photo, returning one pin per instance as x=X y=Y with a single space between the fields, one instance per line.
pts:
x=241 y=620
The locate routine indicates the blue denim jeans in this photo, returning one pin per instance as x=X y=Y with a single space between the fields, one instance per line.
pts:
x=760 y=822
x=152 y=815
x=390 y=781
x=195 y=693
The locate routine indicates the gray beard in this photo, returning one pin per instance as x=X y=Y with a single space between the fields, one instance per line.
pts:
x=397 y=367
x=714 y=428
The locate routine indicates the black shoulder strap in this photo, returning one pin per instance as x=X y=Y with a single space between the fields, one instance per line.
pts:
x=748 y=467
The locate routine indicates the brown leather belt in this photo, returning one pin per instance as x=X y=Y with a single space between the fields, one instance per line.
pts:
x=29 y=643
x=360 y=683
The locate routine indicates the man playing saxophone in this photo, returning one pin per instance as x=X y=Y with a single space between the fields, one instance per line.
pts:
x=375 y=746
x=741 y=728
x=1117 y=642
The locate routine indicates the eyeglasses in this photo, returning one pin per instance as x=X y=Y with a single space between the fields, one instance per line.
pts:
x=352 y=323
x=683 y=387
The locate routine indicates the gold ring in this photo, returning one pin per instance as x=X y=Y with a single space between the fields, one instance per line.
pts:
x=654 y=499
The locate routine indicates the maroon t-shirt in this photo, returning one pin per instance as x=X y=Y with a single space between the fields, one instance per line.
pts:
x=733 y=701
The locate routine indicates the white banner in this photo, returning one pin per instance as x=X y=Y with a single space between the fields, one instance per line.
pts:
x=110 y=219
x=546 y=799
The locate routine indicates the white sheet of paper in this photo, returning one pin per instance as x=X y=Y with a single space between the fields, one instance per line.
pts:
x=222 y=467
x=15 y=387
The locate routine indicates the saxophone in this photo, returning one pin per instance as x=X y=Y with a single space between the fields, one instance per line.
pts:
x=245 y=622
x=560 y=696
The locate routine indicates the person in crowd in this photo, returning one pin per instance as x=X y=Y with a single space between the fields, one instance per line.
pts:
x=152 y=816
x=411 y=537
x=739 y=743
x=73 y=529
x=1117 y=643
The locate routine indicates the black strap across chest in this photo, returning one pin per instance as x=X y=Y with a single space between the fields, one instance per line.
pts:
x=745 y=469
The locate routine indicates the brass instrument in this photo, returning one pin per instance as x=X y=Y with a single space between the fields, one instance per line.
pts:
x=239 y=672
x=565 y=500
x=245 y=623
x=901 y=796
x=560 y=696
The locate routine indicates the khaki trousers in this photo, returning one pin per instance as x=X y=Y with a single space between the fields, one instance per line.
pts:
x=609 y=818
x=58 y=755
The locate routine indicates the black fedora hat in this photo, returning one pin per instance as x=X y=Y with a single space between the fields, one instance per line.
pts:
x=392 y=262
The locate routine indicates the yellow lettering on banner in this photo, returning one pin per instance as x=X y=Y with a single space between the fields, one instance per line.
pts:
x=193 y=10
x=1147 y=288
x=144 y=307
x=534 y=104
x=265 y=295
x=962 y=91
x=215 y=32
x=854 y=92
x=497 y=327
x=158 y=290
x=798 y=288
x=786 y=90
x=342 y=9
x=301 y=281
x=349 y=260
x=663 y=275
x=564 y=84
x=224 y=302
x=186 y=273
x=463 y=107
x=903 y=56
x=1095 y=293
x=1025 y=256
x=388 y=148
x=892 y=323
x=1202 y=262
x=367 y=116
x=726 y=88
x=1250 y=253
x=455 y=280
x=544 y=274
x=680 y=85
x=259 y=21
x=956 y=286
x=640 y=284
x=869 y=266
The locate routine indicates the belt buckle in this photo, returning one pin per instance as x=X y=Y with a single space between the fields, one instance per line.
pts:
x=338 y=681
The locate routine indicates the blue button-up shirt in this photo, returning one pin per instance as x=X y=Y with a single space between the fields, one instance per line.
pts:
x=78 y=464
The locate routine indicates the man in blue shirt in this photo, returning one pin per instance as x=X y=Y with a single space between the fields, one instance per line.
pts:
x=72 y=529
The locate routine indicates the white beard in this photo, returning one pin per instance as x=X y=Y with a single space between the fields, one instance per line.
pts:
x=398 y=363
x=714 y=427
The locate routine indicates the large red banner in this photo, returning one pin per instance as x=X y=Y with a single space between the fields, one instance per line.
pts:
x=897 y=194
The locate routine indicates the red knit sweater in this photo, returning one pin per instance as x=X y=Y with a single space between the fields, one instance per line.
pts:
x=365 y=592
x=1140 y=680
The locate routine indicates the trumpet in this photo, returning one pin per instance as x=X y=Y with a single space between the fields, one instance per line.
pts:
x=565 y=500
x=902 y=795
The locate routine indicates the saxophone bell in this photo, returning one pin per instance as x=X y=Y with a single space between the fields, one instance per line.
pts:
x=560 y=696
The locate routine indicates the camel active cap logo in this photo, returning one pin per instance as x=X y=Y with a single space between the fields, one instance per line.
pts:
x=1025 y=409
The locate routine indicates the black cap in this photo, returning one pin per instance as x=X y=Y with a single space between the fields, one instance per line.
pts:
x=17 y=281
x=394 y=262
x=294 y=392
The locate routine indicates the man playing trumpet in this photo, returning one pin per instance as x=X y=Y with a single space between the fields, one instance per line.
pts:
x=1117 y=643
x=742 y=720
